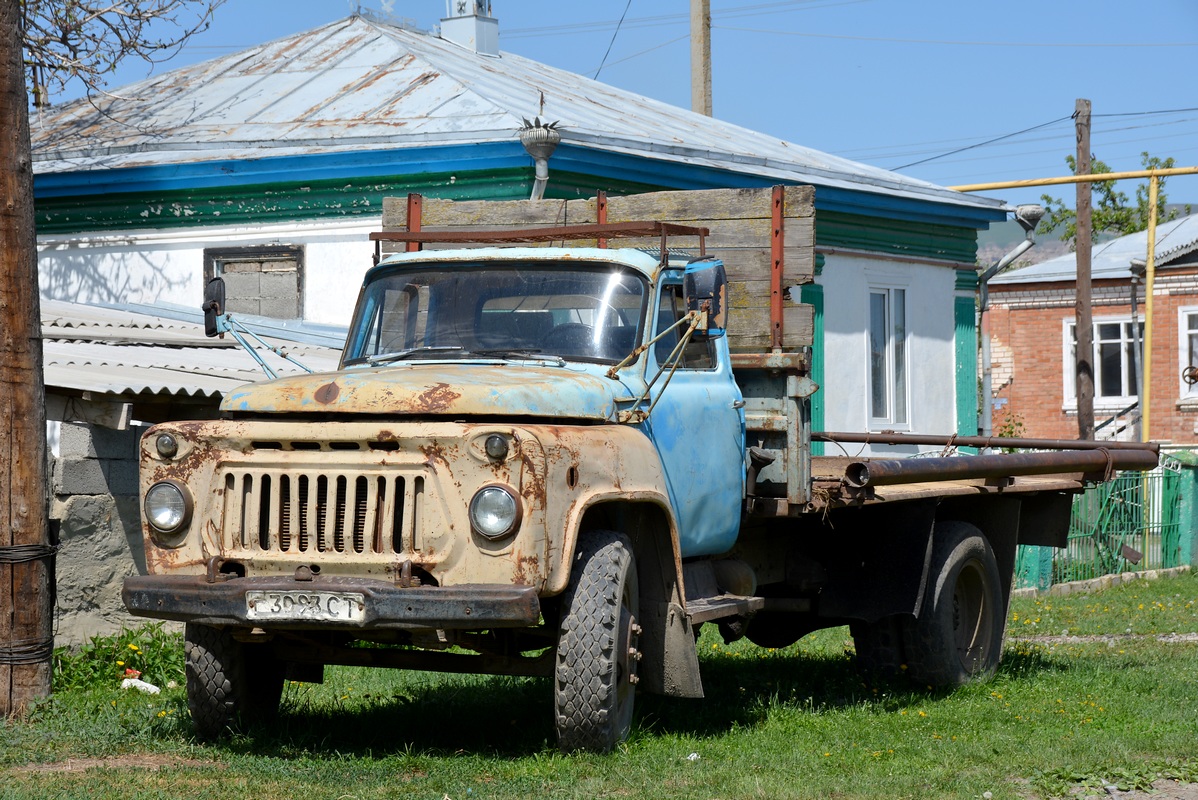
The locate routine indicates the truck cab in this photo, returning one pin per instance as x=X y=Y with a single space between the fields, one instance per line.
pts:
x=511 y=432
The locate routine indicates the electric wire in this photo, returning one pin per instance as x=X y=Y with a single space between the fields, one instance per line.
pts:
x=983 y=144
x=614 y=34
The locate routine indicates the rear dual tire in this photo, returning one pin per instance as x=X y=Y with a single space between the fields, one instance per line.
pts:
x=958 y=635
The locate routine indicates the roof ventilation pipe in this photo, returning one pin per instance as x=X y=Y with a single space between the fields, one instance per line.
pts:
x=540 y=140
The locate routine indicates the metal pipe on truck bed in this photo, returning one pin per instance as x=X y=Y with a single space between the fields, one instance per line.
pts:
x=890 y=471
x=979 y=441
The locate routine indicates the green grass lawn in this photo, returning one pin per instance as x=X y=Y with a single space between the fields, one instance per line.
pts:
x=800 y=722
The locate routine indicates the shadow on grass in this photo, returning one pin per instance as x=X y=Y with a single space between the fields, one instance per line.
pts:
x=512 y=717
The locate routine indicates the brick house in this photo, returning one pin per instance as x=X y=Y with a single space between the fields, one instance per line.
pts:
x=1032 y=329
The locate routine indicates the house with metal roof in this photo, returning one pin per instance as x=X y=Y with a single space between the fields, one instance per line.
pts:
x=1032 y=329
x=269 y=167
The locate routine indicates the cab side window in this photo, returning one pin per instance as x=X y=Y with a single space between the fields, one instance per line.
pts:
x=671 y=308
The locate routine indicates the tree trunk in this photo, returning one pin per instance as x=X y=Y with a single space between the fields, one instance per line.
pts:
x=26 y=566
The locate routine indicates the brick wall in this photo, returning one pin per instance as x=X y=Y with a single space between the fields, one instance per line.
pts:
x=1027 y=346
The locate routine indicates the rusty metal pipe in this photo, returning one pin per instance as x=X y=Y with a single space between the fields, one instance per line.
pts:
x=980 y=441
x=890 y=471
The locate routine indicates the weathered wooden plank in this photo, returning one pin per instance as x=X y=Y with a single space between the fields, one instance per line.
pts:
x=709 y=204
x=754 y=263
x=752 y=232
x=479 y=213
x=749 y=328
x=752 y=294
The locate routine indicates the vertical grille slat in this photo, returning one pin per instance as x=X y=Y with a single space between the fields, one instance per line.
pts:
x=346 y=512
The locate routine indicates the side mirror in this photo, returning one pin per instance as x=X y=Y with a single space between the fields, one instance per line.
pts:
x=705 y=286
x=214 y=306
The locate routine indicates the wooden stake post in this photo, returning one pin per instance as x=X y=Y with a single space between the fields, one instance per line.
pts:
x=26 y=637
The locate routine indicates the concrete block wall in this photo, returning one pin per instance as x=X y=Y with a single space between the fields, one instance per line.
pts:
x=93 y=484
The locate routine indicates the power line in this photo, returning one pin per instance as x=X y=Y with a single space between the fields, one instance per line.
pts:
x=660 y=20
x=958 y=43
x=614 y=34
x=983 y=144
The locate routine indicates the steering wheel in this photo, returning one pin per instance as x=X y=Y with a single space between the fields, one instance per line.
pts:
x=1190 y=375
x=570 y=338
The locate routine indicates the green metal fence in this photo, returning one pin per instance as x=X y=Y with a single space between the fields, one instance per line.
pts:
x=1127 y=524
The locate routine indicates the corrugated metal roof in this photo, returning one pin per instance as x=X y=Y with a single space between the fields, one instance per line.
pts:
x=1174 y=239
x=360 y=84
x=122 y=353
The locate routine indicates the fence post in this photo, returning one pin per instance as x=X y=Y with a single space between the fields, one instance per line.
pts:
x=1188 y=506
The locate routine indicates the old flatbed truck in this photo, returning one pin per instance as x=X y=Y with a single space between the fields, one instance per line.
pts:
x=560 y=461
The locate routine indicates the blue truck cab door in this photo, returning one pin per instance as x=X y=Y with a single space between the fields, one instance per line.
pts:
x=698 y=427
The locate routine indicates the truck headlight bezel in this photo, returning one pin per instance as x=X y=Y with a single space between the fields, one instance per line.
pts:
x=495 y=512
x=167 y=507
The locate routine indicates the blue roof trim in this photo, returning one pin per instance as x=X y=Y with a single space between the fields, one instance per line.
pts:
x=481 y=156
x=692 y=176
x=283 y=169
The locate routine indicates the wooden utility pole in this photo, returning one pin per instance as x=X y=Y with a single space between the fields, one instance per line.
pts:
x=26 y=634
x=701 y=56
x=1084 y=242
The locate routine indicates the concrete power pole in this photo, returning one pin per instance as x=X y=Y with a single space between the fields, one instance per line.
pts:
x=701 y=56
x=1084 y=243
x=26 y=566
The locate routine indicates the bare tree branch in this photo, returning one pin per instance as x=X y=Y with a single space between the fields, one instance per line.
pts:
x=84 y=40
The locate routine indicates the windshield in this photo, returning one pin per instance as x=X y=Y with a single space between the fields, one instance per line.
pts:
x=570 y=311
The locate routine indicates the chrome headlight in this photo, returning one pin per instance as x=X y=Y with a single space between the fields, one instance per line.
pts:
x=167 y=507
x=494 y=512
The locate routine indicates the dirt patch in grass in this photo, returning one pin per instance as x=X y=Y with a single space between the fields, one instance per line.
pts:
x=1161 y=790
x=1168 y=638
x=148 y=761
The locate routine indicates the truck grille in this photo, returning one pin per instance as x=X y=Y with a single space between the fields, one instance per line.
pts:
x=343 y=512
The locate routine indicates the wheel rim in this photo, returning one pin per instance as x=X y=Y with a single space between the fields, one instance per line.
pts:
x=627 y=658
x=973 y=616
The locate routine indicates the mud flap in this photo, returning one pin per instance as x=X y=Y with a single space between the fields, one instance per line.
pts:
x=671 y=662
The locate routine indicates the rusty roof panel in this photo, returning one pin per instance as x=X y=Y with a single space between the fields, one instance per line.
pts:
x=359 y=84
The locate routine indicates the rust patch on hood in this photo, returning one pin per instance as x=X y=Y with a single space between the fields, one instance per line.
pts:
x=328 y=393
x=437 y=397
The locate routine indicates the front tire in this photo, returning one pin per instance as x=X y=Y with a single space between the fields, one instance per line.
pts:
x=595 y=674
x=230 y=684
x=958 y=635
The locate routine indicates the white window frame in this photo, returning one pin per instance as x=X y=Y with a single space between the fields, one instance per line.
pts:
x=896 y=366
x=1184 y=359
x=1107 y=403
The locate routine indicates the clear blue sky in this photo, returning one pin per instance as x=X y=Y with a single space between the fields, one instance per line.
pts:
x=885 y=82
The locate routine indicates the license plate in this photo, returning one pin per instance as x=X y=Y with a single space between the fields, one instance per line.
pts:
x=305 y=606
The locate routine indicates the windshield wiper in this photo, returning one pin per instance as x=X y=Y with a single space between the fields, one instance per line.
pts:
x=399 y=355
x=513 y=352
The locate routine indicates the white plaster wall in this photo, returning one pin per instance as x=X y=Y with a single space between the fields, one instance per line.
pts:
x=168 y=266
x=931 y=352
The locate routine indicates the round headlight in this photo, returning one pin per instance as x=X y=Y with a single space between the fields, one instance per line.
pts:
x=168 y=507
x=494 y=513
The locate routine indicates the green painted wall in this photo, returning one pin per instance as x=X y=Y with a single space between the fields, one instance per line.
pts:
x=897 y=237
x=966 y=343
x=813 y=294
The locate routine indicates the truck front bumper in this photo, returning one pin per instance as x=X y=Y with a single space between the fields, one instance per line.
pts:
x=379 y=604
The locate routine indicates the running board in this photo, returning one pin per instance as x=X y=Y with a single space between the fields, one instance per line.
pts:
x=705 y=609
